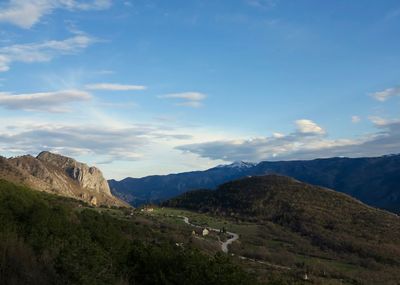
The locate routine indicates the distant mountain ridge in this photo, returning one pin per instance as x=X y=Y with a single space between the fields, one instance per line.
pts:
x=375 y=181
x=238 y=164
x=60 y=175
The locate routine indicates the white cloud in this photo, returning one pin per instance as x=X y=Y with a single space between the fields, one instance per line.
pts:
x=305 y=126
x=190 y=96
x=278 y=135
x=46 y=101
x=187 y=99
x=26 y=13
x=41 y=52
x=355 y=119
x=386 y=94
x=4 y=62
x=105 y=142
x=114 y=87
x=86 y=5
x=378 y=121
x=299 y=145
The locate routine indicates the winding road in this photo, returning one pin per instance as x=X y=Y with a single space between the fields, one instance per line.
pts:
x=233 y=237
x=224 y=245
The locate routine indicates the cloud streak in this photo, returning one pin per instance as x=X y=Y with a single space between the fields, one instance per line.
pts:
x=42 y=52
x=107 y=143
x=26 y=13
x=386 y=94
x=262 y=3
x=114 y=87
x=187 y=99
x=45 y=101
x=301 y=145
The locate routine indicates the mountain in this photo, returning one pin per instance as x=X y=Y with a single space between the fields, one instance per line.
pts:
x=238 y=165
x=341 y=227
x=137 y=191
x=60 y=175
x=375 y=181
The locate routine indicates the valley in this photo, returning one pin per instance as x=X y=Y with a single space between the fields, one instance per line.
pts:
x=311 y=230
x=269 y=229
x=200 y=142
x=274 y=253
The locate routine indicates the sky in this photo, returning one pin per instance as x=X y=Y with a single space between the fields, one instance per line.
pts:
x=143 y=87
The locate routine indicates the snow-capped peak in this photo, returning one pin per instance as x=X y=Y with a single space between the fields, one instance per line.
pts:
x=238 y=164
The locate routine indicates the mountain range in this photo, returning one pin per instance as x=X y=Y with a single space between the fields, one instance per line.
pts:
x=287 y=231
x=373 y=180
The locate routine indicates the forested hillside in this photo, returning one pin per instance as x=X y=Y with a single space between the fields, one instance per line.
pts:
x=45 y=239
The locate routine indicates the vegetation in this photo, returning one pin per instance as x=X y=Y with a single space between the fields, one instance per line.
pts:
x=287 y=231
x=306 y=228
x=46 y=239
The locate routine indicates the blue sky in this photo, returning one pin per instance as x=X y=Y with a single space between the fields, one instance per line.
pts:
x=154 y=87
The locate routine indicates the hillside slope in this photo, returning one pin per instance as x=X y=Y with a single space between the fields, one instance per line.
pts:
x=46 y=239
x=60 y=175
x=329 y=220
x=375 y=181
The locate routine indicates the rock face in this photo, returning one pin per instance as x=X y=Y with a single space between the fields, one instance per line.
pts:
x=87 y=177
x=60 y=175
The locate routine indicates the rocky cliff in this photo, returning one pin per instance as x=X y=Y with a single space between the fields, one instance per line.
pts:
x=60 y=175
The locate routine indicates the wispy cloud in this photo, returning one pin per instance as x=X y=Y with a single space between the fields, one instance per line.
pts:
x=47 y=101
x=105 y=72
x=262 y=3
x=382 y=122
x=4 y=63
x=114 y=87
x=26 y=13
x=188 y=99
x=300 y=145
x=392 y=14
x=41 y=52
x=107 y=143
x=355 y=119
x=386 y=94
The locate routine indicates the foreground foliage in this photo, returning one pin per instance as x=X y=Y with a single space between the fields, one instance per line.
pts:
x=45 y=239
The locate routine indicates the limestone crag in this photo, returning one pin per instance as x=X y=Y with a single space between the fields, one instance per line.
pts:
x=60 y=175
x=87 y=177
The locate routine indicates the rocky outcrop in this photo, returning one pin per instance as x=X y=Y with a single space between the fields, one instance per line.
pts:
x=60 y=175
x=87 y=177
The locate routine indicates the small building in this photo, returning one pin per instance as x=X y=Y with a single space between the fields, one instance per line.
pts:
x=205 y=232
x=147 y=209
